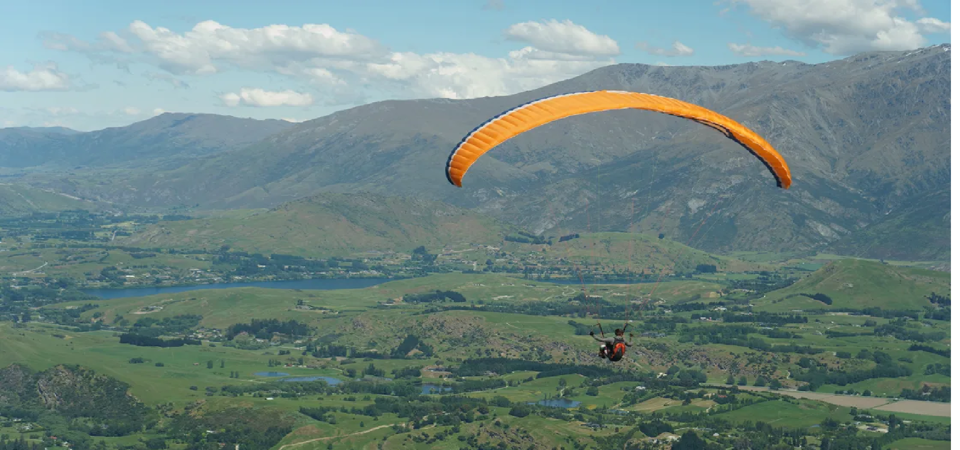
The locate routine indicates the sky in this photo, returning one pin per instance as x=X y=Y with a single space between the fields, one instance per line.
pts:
x=96 y=64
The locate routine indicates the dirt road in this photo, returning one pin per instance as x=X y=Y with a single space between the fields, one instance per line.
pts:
x=939 y=409
x=336 y=437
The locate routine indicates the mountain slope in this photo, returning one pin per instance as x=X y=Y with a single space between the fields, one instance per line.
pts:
x=862 y=136
x=54 y=130
x=919 y=229
x=169 y=135
x=328 y=224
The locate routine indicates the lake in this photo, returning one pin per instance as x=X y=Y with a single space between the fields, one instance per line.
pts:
x=559 y=403
x=316 y=284
x=330 y=380
x=425 y=388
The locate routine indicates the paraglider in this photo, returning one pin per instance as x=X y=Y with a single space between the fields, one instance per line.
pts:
x=613 y=348
x=540 y=112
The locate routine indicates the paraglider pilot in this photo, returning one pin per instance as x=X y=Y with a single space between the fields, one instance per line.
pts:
x=613 y=348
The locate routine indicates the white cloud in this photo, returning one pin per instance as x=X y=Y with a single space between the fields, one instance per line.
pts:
x=166 y=77
x=316 y=75
x=260 y=97
x=459 y=76
x=158 y=111
x=43 y=77
x=61 y=110
x=563 y=37
x=494 y=5
x=677 y=49
x=107 y=41
x=662 y=64
x=292 y=120
x=131 y=111
x=346 y=66
x=931 y=25
x=209 y=43
x=752 y=50
x=844 y=27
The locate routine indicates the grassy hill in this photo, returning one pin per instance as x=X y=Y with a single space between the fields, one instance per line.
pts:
x=855 y=283
x=329 y=224
x=638 y=251
x=17 y=199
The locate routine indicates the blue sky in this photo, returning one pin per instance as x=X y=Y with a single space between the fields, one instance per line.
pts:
x=95 y=64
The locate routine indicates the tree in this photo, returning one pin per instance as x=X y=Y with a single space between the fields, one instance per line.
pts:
x=730 y=380
x=760 y=382
x=689 y=441
x=593 y=391
x=520 y=411
x=742 y=381
x=221 y=363
x=775 y=384
x=866 y=392
x=210 y=364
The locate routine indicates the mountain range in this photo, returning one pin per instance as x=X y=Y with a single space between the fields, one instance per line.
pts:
x=168 y=138
x=865 y=138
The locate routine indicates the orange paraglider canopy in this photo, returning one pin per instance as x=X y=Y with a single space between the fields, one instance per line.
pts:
x=539 y=112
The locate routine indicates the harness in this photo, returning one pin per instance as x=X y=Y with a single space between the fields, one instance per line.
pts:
x=618 y=351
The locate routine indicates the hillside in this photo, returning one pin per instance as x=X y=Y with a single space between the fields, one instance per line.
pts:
x=920 y=229
x=637 y=252
x=17 y=199
x=89 y=398
x=162 y=138
x=329 y=224
x=861 y=284
x=862 y=135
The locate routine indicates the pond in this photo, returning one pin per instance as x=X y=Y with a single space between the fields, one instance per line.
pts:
x=317 y=284
x=272 y=374
x=559 y=403
x=330 y=380
x=425 y=388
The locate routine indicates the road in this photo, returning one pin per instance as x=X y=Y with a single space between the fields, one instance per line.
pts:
x=30 y=271
x=337 y=436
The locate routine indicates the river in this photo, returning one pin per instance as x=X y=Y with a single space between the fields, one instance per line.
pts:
x=317 y=283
